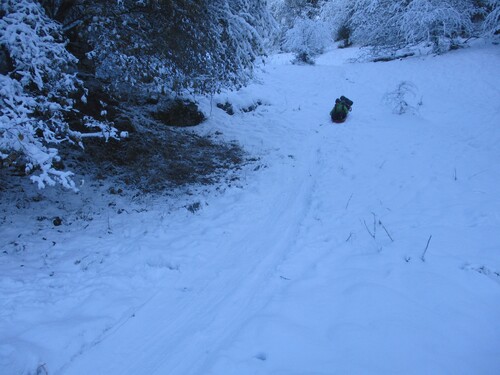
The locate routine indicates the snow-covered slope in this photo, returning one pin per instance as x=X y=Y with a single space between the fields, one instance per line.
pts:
x=370 y=247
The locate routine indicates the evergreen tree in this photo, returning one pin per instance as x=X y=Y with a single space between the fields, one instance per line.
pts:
x=171 y=45
x=491 y=25
x=302 y=31
x=38 y=93
x=399 y=23
x=166 y=46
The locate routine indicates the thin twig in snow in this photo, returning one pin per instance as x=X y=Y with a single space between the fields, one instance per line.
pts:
x=366 y=226
x=348 y=201
x=109 y=225
x=382 y=204
x=374 y=225
x=476 y=174
x=426 y=247
x=386 y=231
x=348 y=238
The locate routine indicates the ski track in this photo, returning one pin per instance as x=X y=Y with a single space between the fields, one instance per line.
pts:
x=195 y=324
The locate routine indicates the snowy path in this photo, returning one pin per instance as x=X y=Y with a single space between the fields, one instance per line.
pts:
x=308 y=265
x=315 y=266
x=229 y=285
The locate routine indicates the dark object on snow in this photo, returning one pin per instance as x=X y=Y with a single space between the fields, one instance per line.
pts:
x=226 y=107
x=57 y=221
x=342 y=107
x=346 y=101
x=180 y=113
x=302 y=58
x=392 y=58
x=252 y=107
x=344 y=34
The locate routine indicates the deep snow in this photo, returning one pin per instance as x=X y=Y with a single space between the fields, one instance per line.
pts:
x=315 y=266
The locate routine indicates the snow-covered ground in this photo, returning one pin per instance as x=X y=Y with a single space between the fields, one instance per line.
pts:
x=370 y=247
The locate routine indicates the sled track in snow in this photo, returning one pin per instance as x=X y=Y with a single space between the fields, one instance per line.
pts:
x=177 y=331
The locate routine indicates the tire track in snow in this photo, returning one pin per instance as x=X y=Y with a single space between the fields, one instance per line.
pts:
x=175 y=335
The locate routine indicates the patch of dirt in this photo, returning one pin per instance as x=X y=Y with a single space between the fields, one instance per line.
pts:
x=155 y=162
x=156 y=159
x=226 y=107
x=180 y=113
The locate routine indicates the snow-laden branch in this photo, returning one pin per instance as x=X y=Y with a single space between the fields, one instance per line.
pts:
x=491 y=25
x=37 y=94
x=400 y=23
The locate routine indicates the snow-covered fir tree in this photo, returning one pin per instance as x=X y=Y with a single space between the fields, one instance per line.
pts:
x=491 y=25
x=398 y=23
x=37 y=93
x=171 y=46
x=302 y=30
x=385 y=23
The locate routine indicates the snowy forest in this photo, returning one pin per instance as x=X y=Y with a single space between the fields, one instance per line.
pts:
x=177 y=195
x=63 y=61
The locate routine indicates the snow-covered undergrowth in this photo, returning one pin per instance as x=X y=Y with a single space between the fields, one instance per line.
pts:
x=38 y=96
x=367 y=247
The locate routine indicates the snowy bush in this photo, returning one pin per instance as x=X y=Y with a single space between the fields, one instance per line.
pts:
x=301 y=29
x=438 y=22
x=404 y=99
x=38 y=93
x=174 y=46
x=338 y=14
x=390 y=24
x=307 y=36
x=399 y=23
x=376 y=24
x=491 y=25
